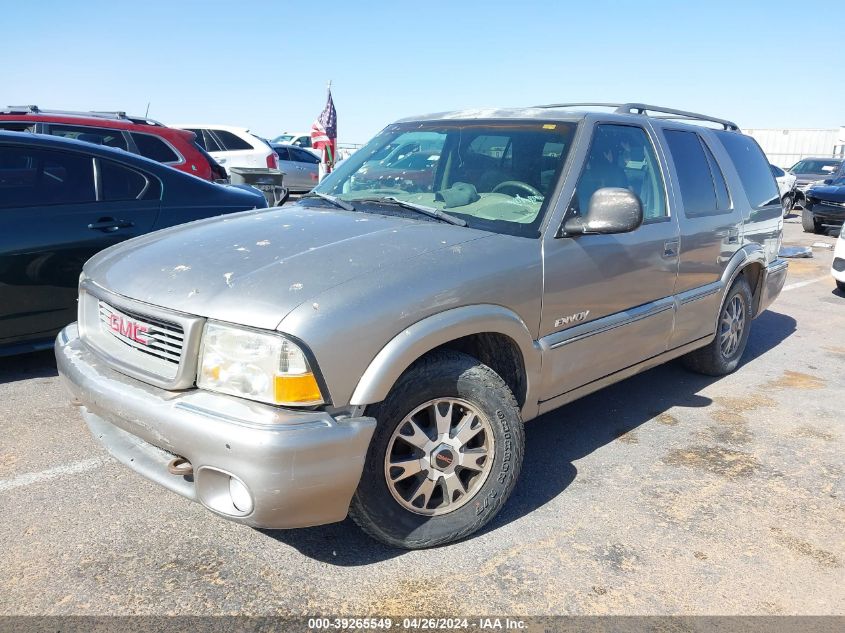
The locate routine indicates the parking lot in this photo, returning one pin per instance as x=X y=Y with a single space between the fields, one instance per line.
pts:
x=668 y=493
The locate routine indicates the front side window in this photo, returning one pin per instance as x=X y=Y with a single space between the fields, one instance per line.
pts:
x=39 y=177
x=622 y=156
x=231 y=142
x=494 y=175
x=96 y=135
x=154 y=148
x=777 y=172
x=752 y=167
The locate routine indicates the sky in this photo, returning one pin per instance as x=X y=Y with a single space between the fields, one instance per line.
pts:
x=265 y=65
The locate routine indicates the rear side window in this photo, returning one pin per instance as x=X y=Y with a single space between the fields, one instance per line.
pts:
x=695 y=171
x=303 y=156
x=282 y=153
x=122 y=183
x=752 y=167
x=95 y=135
x=154 y=148
x=230 y=141
x=723 y=199
x=36 y=177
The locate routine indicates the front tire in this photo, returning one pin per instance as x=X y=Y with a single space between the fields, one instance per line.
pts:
x=722 y=355
x=840 y=285
x=445 y=454
x=808 y=222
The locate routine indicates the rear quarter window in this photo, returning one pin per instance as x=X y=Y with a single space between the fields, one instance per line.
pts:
x=231 y=142
x=752 y=167
x=154 y=148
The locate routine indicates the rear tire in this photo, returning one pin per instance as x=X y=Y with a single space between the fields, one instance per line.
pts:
x=808 y=222
x=722 y=355
x=446 y=385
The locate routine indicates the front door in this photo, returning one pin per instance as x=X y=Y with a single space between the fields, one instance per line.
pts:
x=608 y=299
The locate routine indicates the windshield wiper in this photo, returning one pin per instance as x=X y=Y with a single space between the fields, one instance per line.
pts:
x=341 y=204
x=431 y=212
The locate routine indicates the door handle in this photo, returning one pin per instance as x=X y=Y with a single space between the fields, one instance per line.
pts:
x=670 y=248
x=109 y=225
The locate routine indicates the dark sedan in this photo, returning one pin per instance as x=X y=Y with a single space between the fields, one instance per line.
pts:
x=61 y=201
x=825 y=207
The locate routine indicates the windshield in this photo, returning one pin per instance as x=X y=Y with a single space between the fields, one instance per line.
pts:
x=814 y=166
x=284 y=138
x=495 y=175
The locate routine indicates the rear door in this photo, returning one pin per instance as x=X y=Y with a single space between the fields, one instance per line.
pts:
x=57 y=209
x=305 y=168
x=710 y=225
x=237 y=152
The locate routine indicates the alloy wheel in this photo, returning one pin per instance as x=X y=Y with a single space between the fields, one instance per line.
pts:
x=439 y=456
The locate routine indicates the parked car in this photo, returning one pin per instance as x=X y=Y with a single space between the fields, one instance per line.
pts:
x=811 y=170
x=233 y=146
x=61 y=201
x=413 y=172
x=138 y=135
x=837 y=268
x=786 y=186
x=377 y=352
x=300 y=139
x=825 y=206
x=300 y=166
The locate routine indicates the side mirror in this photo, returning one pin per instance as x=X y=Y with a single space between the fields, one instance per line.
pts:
x=828 y=181
x=611 y=210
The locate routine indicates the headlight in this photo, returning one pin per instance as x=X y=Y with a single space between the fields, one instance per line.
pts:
x=261 y=366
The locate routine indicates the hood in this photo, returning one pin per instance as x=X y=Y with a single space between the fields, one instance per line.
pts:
x=828 y=192
x=253 y=268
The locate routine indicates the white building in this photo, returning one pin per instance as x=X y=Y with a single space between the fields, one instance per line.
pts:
x=785 y=147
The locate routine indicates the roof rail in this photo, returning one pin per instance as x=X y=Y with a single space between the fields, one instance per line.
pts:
x=644 y=109
x=119 y=115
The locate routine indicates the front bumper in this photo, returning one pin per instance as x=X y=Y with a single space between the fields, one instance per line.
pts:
x=774 y=277
x=300 y=467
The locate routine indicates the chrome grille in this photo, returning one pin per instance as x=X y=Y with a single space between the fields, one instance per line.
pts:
x=165 y=340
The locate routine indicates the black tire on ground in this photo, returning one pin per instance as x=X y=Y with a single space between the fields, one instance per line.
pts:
x=788 y=203
x=840 y=285
x=442 y=374
x=808 y=222
x=712 y=359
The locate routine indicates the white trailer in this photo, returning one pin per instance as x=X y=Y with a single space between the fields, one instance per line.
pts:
x=785 y=147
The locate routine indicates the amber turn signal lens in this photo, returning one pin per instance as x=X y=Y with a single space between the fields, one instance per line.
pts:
x=299 y=389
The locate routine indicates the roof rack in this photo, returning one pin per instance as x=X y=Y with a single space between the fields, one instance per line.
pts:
x=644 y=109
x=116 y=115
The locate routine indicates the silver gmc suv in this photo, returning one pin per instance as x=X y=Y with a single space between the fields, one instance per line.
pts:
x=375 y=349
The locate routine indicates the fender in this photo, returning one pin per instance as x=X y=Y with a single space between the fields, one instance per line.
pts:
x=750 y=253
x=423 y=336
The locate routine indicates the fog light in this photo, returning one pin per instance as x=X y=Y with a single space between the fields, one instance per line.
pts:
x=241 y=498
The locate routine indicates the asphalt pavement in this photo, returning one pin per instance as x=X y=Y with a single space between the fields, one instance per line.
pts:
x=668 y=493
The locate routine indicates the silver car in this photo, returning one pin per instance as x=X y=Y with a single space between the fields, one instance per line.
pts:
x=375 y=349
x=300 y=166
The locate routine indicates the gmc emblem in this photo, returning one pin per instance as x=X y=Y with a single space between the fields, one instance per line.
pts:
x=129 y=329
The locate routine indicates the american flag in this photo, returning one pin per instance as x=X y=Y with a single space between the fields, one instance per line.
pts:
x=324 y=132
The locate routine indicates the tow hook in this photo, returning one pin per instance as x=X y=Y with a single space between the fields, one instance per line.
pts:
x=180 y=466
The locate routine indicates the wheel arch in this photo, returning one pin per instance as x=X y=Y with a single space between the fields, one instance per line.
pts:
x=749 y=261
x=495 y=335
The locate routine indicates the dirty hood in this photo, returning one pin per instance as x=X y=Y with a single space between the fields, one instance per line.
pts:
x=253 y=268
